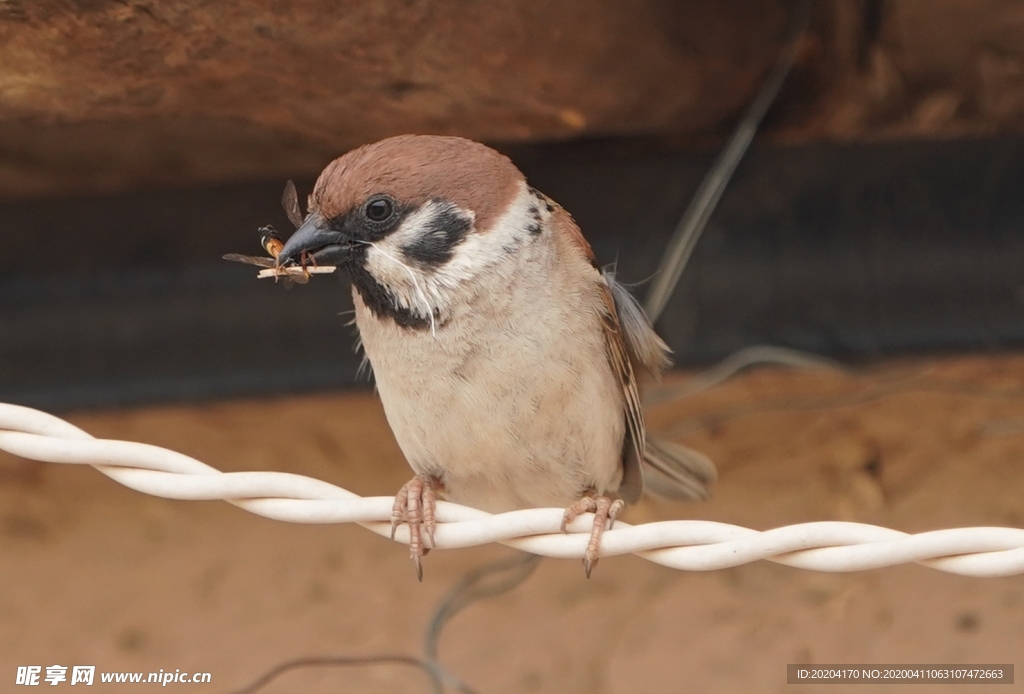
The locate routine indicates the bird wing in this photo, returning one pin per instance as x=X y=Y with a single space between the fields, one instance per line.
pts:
x=670 y=469
x=635 y=443
x=619 y=358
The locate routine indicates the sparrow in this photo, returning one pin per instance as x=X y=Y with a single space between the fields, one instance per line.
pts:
x=508 y=362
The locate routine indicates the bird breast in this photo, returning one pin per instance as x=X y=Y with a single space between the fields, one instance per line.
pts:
x=511 y=401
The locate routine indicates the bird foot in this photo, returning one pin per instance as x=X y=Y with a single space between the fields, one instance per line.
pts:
x=605 y=512
x=415 y=504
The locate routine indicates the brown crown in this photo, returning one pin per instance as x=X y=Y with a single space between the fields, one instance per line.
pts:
x=416 y=168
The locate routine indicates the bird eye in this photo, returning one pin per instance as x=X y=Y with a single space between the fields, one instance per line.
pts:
x=379 y=209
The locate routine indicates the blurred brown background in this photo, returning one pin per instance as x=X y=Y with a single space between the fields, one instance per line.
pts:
x=878 y=212
x=102 y=96
x=94 y=573
x=878 y=218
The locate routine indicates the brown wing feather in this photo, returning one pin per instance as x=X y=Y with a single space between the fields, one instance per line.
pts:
x=648 y=352
x=619 y=358
x=633 y=447
x=634 y=349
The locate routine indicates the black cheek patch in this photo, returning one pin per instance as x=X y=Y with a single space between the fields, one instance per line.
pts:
x=436 y=242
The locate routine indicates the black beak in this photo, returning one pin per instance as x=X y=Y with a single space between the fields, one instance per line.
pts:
x=316 y=240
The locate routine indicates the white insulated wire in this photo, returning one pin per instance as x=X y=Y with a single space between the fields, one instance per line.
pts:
x=691 y=545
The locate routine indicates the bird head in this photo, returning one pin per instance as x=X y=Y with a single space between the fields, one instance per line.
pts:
x=412 y=219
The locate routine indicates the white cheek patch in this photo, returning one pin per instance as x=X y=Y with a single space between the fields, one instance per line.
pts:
x=405 y=260
x=404 y=282
x=408 y=289
x=481 y=251
x=436 y=252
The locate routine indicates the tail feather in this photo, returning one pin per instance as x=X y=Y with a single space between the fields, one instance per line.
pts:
x=676 y=472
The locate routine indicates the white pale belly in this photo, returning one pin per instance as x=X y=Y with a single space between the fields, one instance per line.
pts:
x=508 y=416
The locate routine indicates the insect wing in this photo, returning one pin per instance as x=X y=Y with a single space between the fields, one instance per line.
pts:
x=259 y=261
x=290 y=202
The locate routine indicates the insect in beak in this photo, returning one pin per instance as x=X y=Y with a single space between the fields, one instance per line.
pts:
x=290 y=271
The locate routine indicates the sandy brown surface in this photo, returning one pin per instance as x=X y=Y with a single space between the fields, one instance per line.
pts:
x=94 y=573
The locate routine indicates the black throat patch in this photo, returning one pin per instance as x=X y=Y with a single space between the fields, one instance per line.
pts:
x=381 y=302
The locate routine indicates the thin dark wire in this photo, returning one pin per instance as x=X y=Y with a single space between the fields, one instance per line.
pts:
x=705 y=200
x=298 y=663
x=864 y=397
x=474 y=586
x=738 y=361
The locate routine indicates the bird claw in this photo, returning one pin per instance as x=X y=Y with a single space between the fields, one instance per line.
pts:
x=415 y=504
x=605 y=512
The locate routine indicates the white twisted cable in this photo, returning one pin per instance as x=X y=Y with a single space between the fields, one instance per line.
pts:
x=685 y=545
